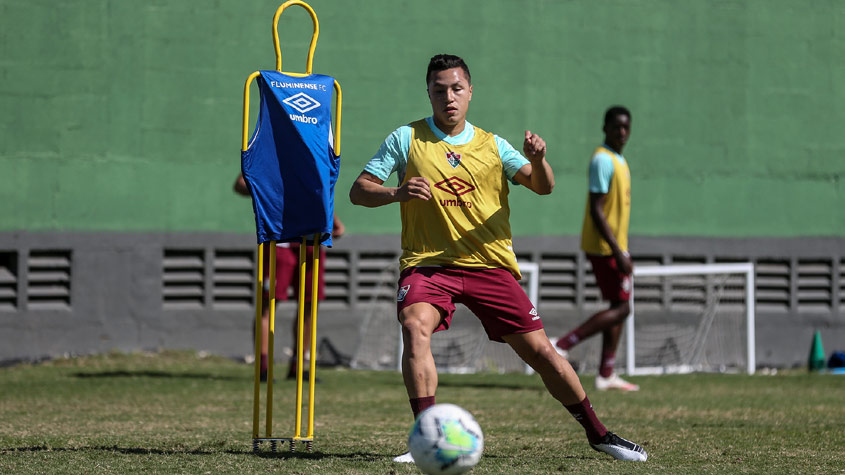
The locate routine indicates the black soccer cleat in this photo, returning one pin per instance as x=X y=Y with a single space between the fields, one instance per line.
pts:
x=620 y=449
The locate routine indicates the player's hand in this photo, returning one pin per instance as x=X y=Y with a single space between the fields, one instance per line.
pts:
x=338 y=229
x=416 y=187
x=534 y=147
x=624 y=263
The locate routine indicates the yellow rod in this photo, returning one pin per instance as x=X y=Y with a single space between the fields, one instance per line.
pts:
x=312 y=375
x=338 y=108
x=245 y=136
x=256 y=394
x=314 y=35
x=300 y=337
x=271 y=337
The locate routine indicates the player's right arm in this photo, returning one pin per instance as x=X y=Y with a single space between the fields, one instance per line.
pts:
x=623 y=259
x=369 y=190
x=392 y=157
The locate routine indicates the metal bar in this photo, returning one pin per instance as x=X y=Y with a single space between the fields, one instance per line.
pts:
x=271 y=337
x=312 y=374
x=256 y=394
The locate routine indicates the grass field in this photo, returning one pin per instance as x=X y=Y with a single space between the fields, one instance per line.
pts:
x=181 y=413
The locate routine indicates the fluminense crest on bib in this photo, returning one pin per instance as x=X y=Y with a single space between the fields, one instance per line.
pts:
x=453 y=158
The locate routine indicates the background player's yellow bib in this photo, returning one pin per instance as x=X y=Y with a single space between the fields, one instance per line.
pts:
x=617 y=211
x=466 y=223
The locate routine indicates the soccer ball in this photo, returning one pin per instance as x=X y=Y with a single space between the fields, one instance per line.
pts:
x=445 y=440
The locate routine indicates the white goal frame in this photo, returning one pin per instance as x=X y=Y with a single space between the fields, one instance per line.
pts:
x=745 y=268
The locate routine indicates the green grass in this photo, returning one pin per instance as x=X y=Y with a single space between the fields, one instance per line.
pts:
x=180 y=413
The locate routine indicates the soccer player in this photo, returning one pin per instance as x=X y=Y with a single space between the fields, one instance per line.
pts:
x=287 y=277
x=456 y=242
x=604 y=237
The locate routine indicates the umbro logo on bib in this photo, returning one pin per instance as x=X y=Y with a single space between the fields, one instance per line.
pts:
x=302 y=102
x=453 y=158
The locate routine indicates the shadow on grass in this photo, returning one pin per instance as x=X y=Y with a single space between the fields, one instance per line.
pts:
x=486 y=385
x=158 y=374
x=280 y=454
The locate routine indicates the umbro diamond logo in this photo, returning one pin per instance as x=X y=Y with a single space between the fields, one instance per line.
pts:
x=455 y=186
x=534 y=312
x=302 y=102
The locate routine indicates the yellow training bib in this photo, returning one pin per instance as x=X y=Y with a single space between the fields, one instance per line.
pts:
x=466 y=223
x=617 y=211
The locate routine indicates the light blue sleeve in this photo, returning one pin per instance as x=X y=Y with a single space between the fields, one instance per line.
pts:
x=512 y=160
x=392 y=155
x=601 y=172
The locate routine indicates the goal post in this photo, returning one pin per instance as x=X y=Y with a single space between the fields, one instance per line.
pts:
x=697 y=342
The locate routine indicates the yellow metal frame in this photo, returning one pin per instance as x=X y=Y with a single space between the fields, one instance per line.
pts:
x=268 y=427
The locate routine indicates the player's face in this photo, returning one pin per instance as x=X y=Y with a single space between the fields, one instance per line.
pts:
x=449 y=92
x=617 y=131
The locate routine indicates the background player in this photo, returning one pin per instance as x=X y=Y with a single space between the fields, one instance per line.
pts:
x=604 y=237
x=456 y=242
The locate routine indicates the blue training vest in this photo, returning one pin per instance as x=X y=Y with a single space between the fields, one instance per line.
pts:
x=290 y=166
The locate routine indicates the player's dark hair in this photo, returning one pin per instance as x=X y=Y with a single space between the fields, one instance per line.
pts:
x=614 y=111
x=442 y=62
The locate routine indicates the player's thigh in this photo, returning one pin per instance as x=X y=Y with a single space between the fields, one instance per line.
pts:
x=500 y=303
x=425 y=297
x=421 y=317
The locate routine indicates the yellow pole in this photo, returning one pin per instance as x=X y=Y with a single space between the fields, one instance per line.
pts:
x=314 y=34
x=256 y=394
x=312 y=375
x=300 y=337
x=271 y=337
x=338 y=106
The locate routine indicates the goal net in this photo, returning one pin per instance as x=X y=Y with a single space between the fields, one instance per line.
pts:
x=688 y=318
x=463 y=349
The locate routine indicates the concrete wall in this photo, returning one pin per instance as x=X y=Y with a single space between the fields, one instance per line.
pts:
x=79 y=293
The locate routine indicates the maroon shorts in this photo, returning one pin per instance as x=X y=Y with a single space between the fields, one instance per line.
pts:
x=287 y=272
x=615 y=286
x=493 y=295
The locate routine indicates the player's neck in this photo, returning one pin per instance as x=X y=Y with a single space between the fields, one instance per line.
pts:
x=616 y=148
x=450 y=129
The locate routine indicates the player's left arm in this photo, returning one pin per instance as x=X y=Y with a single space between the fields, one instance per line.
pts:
x=537 y=174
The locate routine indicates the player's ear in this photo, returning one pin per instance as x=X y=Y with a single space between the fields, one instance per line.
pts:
x=470 y=92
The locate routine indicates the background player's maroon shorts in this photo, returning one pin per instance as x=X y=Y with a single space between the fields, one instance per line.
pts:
x=287 y=272
x=615 y=286
x=493 y=295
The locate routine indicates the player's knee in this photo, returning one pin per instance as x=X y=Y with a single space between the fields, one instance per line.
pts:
x=416 y=324
x=621 y=310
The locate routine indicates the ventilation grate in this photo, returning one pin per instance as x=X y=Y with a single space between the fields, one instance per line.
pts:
x=49 y=274
x=842 y=285
x=233 y=279
x=688 y=292
x=377 y=276
x=336 y=275
x=559 y=280
x=8 y=281
x=183 y=279
x=773 y=280
x=814 y=285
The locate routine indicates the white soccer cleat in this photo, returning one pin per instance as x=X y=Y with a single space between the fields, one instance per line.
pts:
x=614 y=382
x=404 y=458
x=559 y=350
x=620 y=449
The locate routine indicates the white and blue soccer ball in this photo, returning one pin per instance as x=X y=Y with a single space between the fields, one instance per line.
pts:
x=445 y=440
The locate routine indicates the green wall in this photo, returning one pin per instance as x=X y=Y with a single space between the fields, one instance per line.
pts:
x=126 y=115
